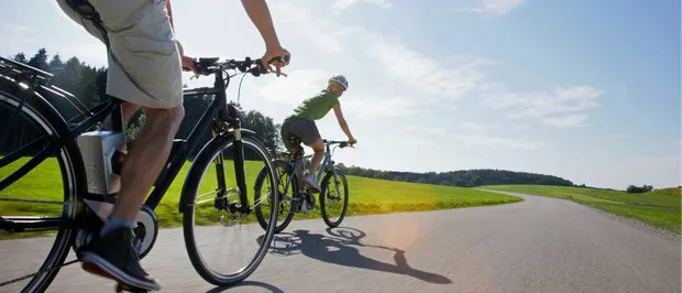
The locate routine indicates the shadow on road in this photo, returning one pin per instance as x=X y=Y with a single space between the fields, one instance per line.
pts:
x=267 y=287
x=339 y=247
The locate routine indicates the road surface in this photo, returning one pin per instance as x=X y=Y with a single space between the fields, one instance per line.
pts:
x=538 y=245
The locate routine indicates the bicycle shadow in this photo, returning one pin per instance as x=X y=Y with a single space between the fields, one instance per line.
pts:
x=267 y=287
x=339 y=248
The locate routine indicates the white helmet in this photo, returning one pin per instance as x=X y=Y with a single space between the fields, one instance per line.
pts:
x=340 y=79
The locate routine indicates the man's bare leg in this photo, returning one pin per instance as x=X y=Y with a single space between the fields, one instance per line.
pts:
x=127 y=112
x=146 y=157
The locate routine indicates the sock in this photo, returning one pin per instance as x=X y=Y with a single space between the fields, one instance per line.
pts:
x=115 y=222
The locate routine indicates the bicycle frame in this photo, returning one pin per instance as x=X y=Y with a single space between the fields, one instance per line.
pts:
x=326 y=165
x=225 y=117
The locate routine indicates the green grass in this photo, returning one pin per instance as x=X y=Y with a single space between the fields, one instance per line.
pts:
x=672 y=191
x=367 y=196
x=656 y=208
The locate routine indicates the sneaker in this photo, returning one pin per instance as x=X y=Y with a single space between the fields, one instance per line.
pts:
x=113 y=256
x=309 y=180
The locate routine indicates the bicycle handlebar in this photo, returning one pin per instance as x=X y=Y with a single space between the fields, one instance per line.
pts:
x=342 y=144
x=208 y=66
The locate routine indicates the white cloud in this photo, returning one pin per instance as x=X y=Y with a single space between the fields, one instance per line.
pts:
x=343 y=4
x=500 y=142
x=408 y=67
x=471 y=125
x=17 y=35
x=493 y=7
x=562 y=107
x=324 y=33
x=571 y=120
x=482 y=139
x=501 y=7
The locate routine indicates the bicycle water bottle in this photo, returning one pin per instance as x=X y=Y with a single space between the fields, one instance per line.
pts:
x=101 y=152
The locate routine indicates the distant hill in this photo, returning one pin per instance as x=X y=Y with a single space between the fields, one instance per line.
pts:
x=463 y=178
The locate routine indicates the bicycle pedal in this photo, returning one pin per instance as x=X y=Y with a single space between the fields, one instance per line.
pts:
x=120 y=287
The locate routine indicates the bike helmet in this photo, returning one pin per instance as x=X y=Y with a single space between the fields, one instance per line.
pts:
x=340 y=79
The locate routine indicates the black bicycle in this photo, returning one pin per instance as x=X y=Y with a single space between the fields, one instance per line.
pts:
x=52 y=187
x=295 y=197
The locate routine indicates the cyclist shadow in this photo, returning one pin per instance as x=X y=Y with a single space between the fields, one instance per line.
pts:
x=341 y=247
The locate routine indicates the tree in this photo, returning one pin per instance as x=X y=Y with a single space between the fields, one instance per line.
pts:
x=39 y=60
x=637 y=189
x=56 y=64
x=265 y=129
x=20 y=57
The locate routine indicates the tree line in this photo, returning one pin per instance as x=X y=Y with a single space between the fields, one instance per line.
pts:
x=462 y=178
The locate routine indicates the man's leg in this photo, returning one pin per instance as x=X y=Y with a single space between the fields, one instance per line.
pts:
x=111 y=254
x=318 y=147
x=146 y=157
x=127 y=112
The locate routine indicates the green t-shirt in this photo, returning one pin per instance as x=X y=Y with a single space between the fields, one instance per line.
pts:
x=316 y=107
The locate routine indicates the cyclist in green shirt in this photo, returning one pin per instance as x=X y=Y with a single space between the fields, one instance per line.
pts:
x=302 y=124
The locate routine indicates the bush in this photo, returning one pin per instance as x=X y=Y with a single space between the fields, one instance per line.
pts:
x=637 y=189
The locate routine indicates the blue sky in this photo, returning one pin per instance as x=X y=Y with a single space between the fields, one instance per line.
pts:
x=582 y=89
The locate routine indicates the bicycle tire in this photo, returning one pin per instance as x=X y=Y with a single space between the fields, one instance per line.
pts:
x=72 y=177
x=279 y=165
x=323 y=202
x=201 y=163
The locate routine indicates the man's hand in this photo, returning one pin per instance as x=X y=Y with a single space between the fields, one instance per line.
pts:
x=352 y=141
x=188 y=64
x=283 y=60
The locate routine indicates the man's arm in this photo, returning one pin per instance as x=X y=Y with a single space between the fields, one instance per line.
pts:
x=342 y=122
x=260 y=16
x=169 y=10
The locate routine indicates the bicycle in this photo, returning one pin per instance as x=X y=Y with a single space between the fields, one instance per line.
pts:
x=290 y=174
x=86 y=172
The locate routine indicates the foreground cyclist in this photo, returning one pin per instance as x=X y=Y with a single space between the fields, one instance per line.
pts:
x=302 y=124
x=145 y=67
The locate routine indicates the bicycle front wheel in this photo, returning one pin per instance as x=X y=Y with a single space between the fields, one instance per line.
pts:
x=334 y=198
x=224 y=244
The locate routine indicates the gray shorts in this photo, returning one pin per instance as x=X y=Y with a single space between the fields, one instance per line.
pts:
x=304 y=129
x=142 y=40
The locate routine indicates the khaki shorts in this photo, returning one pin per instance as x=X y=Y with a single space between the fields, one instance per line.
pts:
x=142 y=40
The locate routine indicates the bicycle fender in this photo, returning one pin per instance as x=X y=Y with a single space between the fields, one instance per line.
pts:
x=36 y=99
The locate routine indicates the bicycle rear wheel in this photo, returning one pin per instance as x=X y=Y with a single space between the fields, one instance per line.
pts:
x=36 y=210
x=228 y=246
x=334 y=198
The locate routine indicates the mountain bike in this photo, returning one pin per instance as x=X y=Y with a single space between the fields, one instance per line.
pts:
x=87 y=158
x=295 y=197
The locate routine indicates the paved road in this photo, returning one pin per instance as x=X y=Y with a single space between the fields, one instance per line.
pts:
x=539 y=245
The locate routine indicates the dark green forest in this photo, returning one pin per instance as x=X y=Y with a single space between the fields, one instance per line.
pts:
x=88 y=83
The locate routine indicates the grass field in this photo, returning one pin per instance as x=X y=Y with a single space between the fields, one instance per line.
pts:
x=367 y=196
x=672 y=191
x=657 y=208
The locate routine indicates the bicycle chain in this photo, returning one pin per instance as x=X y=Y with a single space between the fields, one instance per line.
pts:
x=38 y=273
